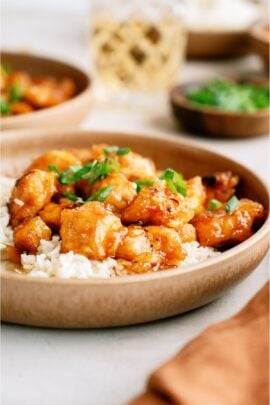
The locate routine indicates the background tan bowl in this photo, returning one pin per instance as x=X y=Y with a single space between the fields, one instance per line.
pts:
x=214 y=122
x=69 y=113
x=129 y=299
x=260 y=43
x=215 y=44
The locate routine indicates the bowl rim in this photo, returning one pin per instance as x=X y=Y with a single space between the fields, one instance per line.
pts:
x=8 y=275
x=54 y=109
x=255 y=30
x=178 y=99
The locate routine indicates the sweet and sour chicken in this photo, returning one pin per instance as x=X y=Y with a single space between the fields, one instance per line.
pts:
x=22 y=92
x=107 y=201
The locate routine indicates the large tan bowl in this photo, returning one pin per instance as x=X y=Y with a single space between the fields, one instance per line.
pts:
x=129 y=299
x=69 y=113
x=216 y=44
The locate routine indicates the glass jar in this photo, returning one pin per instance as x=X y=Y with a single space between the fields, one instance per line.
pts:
x=137 y=45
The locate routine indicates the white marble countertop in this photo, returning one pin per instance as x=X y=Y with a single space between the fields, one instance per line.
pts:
x=108 y=367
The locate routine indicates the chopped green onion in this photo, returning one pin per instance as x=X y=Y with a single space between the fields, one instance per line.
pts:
x=123 y=151
x=174 y=181
x=141 y=183
x=117 y=150
x=4 y=107
x=214 y=205
x=73 y=197
x=54 y=169
x=15 y=93
x=101 y=194
x=90 y=171
x=6 y=68
x=232 y=204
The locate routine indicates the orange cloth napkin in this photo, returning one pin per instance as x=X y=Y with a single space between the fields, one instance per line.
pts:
x=228 y=364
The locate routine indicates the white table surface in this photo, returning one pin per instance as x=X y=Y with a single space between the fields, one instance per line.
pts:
x=108 y=367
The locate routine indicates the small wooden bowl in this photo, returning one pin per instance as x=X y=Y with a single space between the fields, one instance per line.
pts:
x=214 y=122
x=216 y=45
x=139 y=298
x=69 y=113
x=259 y=42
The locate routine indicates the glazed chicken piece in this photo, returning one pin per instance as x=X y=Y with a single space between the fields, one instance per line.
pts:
x=134 y=244
x=28 y=234
x=96 y=152
x=51 y=214
x=58 y=158
x=154 y=206
x=150 y=248
x=47 y=92
x=167 y=243
x=84 y=155
x=91 y=230
x=20 y=80
x=196 y=194
x=30 y=194
x=220 y=229
x=20 y=107
x=187 y=233
x=221 y=186
x=135 y=166
x=123 y=193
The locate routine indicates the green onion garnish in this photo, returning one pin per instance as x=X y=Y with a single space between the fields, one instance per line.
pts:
x=141 y=183
x=90 y=171
x=214 y=205
x=4 y=107
x=174 y=181
x=101 y=194
x=232 y=204
x=73 y=197
x=6 y=68
x=15 y=93
x=117 y=150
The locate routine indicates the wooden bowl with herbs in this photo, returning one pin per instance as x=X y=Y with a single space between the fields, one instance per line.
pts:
x=223 y=107
x=40 y=92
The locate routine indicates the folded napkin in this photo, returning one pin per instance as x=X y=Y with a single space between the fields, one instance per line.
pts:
x=228 y=364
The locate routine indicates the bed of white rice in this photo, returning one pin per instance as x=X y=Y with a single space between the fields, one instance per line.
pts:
x=49 y=262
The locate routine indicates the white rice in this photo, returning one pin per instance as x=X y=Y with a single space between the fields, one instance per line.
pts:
x=49 y=262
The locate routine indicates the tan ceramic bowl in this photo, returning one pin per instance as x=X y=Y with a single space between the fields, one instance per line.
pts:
x=260 y=43
x=69 y=113
x=214 y=122
x=213 y=45
x=129 y=299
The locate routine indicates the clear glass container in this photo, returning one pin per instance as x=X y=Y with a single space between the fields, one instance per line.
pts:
x=137 y=46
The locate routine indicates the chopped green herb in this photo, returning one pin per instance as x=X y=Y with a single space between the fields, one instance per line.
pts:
x=102 y=169
x=5 y=107
x=174 y=181
x=117 y=150
x=123 y=151
x=231 y=96
x=6 y=68
x=15 y=93
x=101 y=194
x=54 y=169
x=214 y=205
x=90 y=171
x=73 y=197
x=232 y=204
x=141 y=183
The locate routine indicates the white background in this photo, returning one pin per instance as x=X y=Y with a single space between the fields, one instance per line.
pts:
x=108 y=367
